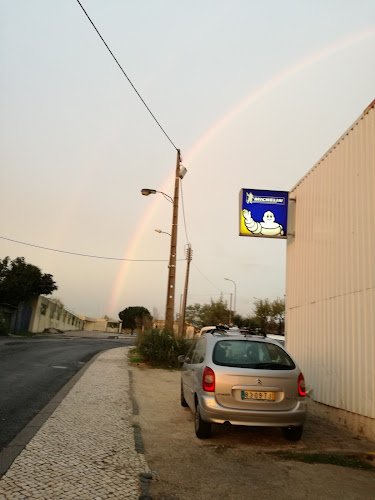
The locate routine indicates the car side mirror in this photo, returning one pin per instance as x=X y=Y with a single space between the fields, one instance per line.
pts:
x=182 y=359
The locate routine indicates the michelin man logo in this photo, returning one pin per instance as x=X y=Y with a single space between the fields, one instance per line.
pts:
x=269 y=227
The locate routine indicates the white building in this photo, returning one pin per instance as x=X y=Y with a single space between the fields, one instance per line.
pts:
x=330 y=284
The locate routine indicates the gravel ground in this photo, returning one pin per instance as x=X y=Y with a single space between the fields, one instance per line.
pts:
x=237 y=463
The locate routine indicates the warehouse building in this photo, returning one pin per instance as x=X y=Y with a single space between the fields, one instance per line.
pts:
x=330 y=283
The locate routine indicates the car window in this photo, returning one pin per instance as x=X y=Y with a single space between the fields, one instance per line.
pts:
x=199 y=351
x=248 y=354
x=189 y=354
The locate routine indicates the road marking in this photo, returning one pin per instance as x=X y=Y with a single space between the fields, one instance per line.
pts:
x=60 y=367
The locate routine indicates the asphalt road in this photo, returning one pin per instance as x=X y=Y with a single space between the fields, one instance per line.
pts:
x=33 y=370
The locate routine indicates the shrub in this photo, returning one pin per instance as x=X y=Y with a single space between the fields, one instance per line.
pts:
x=161 y=347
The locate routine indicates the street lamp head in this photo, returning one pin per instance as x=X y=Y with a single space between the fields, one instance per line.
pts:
x=160 y=231
x=146 y=192
x=182 y=172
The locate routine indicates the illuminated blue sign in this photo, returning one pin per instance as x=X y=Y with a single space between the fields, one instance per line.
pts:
x=263 y=213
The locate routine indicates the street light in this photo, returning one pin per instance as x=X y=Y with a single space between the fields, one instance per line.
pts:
x=160 y=231
x=235 y=293
x=146 y=192
x=169 y=309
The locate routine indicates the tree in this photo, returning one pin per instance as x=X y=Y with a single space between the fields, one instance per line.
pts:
x=278 y=314
x=135 y=317
x=20 y=281
x=155 y=313
x=208 y=314
x=270 y=315
x=192 y=314
x=263 y=313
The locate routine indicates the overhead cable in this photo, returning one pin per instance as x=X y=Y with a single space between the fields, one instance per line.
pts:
x=126 y=76
x=183 y=213
x=207 y=278
x=83 y=254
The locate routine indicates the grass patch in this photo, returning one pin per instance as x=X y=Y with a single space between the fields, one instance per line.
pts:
x=135 y=356
x=353 y=462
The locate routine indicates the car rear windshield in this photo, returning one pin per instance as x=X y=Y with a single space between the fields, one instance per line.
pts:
x=248 y=354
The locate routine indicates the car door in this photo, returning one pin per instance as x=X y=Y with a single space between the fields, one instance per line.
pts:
x=192 y=373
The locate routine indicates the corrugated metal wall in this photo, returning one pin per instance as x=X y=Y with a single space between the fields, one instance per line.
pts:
x=330 y=284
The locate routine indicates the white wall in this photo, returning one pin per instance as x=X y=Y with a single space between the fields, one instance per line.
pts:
x=330 y=284
x=47 y=314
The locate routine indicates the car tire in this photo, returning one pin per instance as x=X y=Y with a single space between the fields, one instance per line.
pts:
x=293 y=433
x=183 y=400
x=202 y=428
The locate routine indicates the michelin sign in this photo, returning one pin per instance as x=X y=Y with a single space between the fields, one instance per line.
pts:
x=263 y=213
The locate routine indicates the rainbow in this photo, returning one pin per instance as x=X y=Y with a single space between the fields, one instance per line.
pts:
x=215 y=129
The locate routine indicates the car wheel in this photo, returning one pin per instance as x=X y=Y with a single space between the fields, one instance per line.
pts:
x=202 y=429
x=183 y=400
x=293 y=433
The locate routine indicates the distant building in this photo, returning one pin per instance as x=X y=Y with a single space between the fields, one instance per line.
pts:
x=37 y=315
x=101 y=324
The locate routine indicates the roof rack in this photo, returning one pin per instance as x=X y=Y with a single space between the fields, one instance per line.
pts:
x=219 y=329
x=255 y=332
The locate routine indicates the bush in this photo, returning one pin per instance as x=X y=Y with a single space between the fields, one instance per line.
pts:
x=161 y=347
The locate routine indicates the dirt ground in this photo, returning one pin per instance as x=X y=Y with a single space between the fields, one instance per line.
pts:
x=237 y=463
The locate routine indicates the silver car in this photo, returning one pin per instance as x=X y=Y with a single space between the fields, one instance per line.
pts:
x=242 y=379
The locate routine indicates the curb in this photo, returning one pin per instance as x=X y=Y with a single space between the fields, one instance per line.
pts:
x=145 y=477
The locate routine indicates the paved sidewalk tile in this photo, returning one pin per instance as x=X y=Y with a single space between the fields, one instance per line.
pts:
x=86 y=449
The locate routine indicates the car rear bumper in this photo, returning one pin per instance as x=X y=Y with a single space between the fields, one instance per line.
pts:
x=212 y=412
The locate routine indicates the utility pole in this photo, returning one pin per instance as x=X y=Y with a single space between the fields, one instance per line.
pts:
x=181 y=326
x=230 y=310
x=169 y=310
x=235 y=294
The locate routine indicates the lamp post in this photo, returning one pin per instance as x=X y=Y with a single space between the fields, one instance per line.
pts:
x=235 y=294
x=169 y=309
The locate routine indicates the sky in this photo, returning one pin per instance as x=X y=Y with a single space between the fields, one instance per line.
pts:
x=252 y=93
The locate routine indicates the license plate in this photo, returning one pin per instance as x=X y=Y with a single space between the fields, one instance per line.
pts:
x=260 y=395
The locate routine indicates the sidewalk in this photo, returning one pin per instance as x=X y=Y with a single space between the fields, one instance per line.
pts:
x=90 y=447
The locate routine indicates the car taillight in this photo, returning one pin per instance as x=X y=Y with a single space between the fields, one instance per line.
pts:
x=208 y=382
x=301 y=385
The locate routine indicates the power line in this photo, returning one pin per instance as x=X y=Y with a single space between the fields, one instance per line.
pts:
x=83 y=254
x=207 y=278
x=126 y=76
x=183 y=212
x=207 y=294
